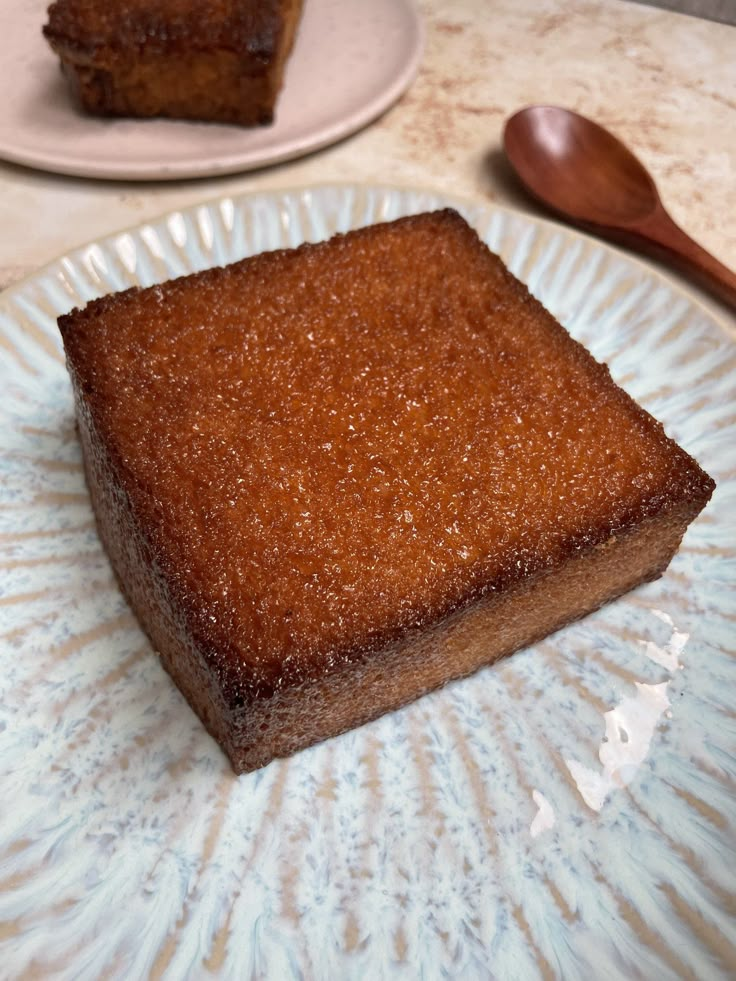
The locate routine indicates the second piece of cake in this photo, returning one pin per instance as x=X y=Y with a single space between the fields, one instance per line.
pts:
x=334 y=478
x=212 y=60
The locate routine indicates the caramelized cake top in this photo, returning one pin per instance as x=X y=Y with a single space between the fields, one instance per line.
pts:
x=91 y=27
x=330 y=446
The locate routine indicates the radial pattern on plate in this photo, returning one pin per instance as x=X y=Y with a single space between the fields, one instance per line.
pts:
x=569 y=810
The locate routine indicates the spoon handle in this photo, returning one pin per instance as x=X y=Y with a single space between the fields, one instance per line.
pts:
x=671 y=243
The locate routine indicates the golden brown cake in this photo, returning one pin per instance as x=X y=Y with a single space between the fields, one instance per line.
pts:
x=334 y=478
x=215 y=60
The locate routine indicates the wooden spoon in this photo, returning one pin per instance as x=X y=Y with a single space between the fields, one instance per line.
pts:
x=585 y=174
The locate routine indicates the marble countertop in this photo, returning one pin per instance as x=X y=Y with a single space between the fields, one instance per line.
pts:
x=663 y=82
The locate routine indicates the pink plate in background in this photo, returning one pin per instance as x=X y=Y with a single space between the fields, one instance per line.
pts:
x=352 y=60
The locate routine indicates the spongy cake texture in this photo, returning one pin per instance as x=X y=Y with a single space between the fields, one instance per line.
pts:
x=335 y=477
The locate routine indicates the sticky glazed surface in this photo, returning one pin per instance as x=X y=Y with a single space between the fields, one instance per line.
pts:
x=328 y=448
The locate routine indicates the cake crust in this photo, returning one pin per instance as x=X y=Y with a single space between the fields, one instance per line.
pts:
x=333 y=478
x=221 y=61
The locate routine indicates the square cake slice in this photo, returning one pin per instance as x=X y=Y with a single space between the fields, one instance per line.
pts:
x=213 y=60
x=333 y=478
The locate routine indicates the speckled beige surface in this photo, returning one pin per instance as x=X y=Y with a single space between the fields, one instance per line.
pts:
x=664 y=82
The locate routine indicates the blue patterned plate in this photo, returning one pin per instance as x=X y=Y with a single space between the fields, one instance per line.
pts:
x=567 y=813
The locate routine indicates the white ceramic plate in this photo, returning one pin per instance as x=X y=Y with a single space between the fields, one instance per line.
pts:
x=567 y=813
x=351 y=60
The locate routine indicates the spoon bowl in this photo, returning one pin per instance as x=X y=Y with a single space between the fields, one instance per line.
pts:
x=586 y=175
